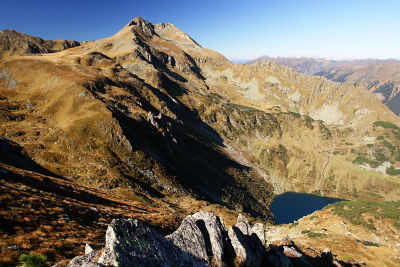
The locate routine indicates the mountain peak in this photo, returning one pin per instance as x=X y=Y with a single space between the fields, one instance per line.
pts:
x=166 y=31
x=143 y=25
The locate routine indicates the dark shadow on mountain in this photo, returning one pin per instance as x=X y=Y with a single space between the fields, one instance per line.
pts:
x=322 y=260
x=13 y=154
x=46 y=184
x=195 y=68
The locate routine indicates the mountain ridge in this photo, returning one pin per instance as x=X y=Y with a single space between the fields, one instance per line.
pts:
x=378 y=76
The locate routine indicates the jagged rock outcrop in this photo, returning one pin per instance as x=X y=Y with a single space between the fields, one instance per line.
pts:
x=247 y=246
x=201 y=240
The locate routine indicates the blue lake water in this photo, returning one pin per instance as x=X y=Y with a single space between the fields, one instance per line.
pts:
x=289 y=207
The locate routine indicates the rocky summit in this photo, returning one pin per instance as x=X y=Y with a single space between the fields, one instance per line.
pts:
x=130 y=136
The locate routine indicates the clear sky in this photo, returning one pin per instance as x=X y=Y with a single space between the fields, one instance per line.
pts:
x=239 y=29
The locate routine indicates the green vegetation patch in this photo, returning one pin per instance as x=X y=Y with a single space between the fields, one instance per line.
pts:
x=309 y=122
x=392 y=171
x=295 y=114
x=314 y=235
x=386 y=125
x=353 y=210
x=33 y=260
x=389 y=145
x=370 y=244
x=242 y=107
x=379 y=159
x=324 y=130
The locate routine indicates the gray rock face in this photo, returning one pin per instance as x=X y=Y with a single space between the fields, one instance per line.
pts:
x=247 y=246
x=131 y=242
x=243 y=225
x=259 y=230
x=189 y=238
x=214 y=233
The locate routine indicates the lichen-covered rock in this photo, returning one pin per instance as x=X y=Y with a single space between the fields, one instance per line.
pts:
x=131 y=242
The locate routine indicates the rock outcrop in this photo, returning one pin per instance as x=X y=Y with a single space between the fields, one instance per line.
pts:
x=131 y=241
x=201 y=240
x=247 y=246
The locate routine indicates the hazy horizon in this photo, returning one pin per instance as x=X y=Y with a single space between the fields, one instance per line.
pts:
x=335 y=30
x=311 y=57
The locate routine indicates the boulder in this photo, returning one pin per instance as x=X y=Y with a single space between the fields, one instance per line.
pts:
x=291 y=252
x=131 y=242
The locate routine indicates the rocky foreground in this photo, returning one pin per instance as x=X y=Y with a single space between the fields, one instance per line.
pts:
x=201 y=240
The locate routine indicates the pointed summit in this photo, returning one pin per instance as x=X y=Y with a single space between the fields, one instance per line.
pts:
x=143 y=25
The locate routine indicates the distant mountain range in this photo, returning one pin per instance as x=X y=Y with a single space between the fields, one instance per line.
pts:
x=381 y=77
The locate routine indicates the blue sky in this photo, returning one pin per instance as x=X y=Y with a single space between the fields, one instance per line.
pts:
x=237 y=29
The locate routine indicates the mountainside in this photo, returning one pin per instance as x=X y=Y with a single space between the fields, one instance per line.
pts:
x=151 y=116
x=381 y=77
x=19 y=44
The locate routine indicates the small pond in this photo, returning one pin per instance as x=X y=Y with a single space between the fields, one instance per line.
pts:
x=289 y=207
